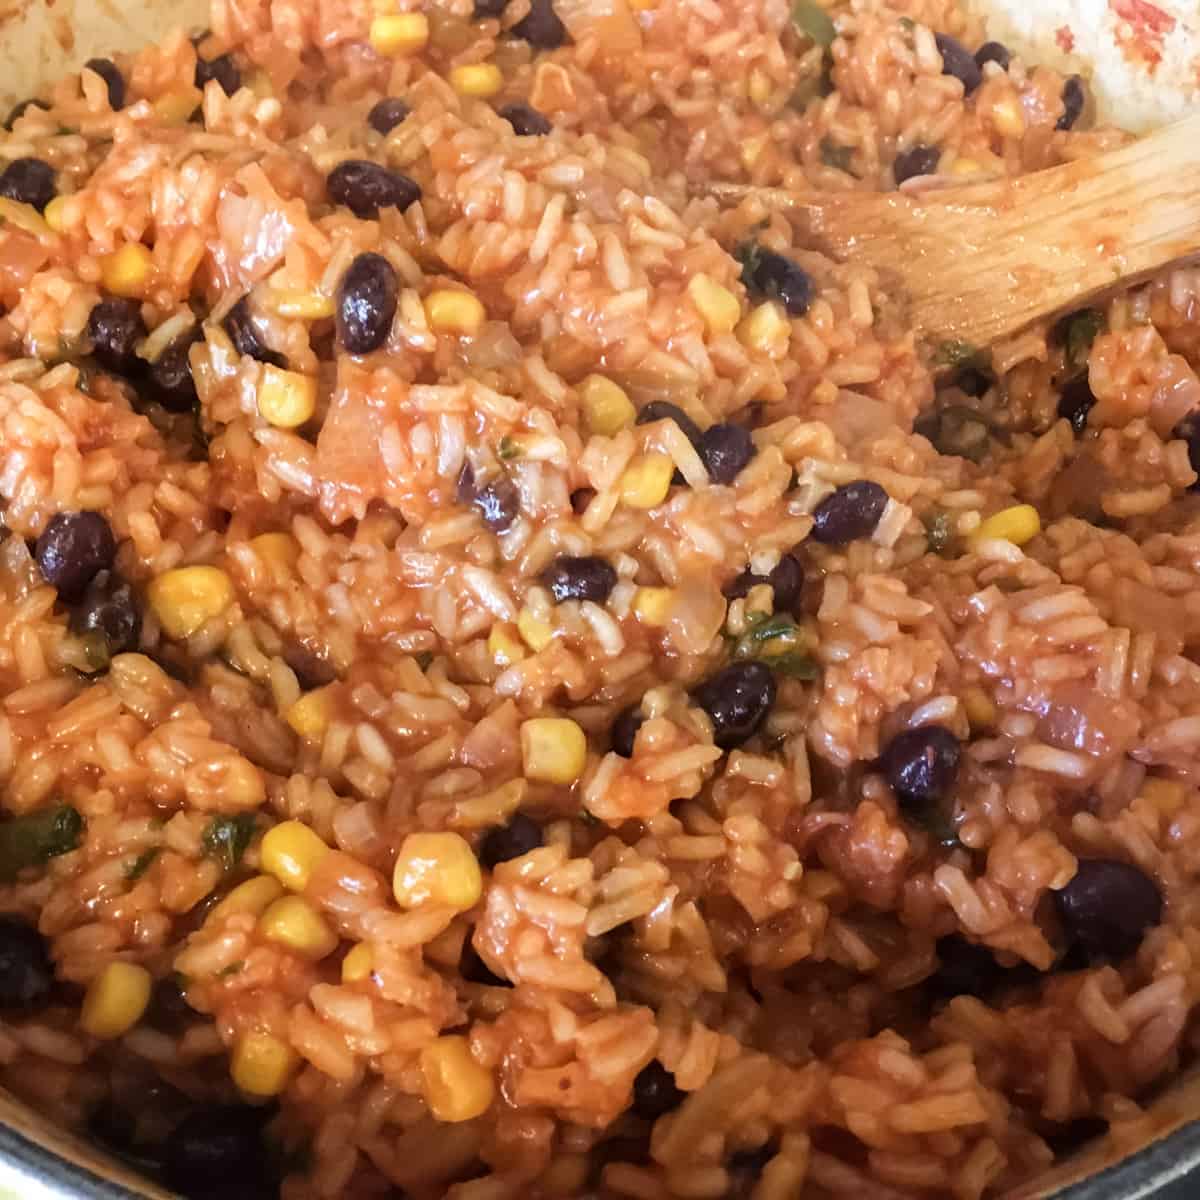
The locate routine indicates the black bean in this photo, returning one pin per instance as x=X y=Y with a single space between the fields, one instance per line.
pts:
x=29 y=180
x=853 y=511
x=107 y=70
x=662 y=410
x=170 y=375
x=737 y=700
x=474 y=970
x=922 y=765
x=996 y=52
x=1074 y=98
x=624 y=730
x=1076 y=401
x=213 y=1146
x=915 y=161
x=726 y=449
x=768 y=273
x=74 y=548
x=750 y=1164
x=499 y=504
x=581 y=498
x=786 y=580
x=19 y=111
x=223 y=69
x=541 y=27
x=311 y=670
x=969 y=969
x=387 y=113
x=974 y=382
x=654 y=1092
x=504 y=842
x=958 y=61
x=1108 y=906
x=26 y=972
x=1189 y=430
x=169 y=1010
x=579 y=577
x=239 y=324
x=526 y=120
x=1067 y=1137
x=365 y=187
x=489 y=8
x=366 y=303
x=114 y=328
x=109 y=607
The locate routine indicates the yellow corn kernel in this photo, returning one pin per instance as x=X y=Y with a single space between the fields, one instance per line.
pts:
x=504 y=644
x=291 y=851
x=750 y=150
x=293 y=922
x=297 y=304
x=399 y=33
x=607 y=408
x=980 y=710
x=536 y=633
x=126 y=272
x=188 y=597
x=115 y=1000
x=653 y=604
x=553 y=750
x=477 y=79
x=647 y=480
x=261 y=1064
x=1008 y=117
x=965 y=166
x=451 y=310
x=437 y=868
x=309 y=716
x=766 y=329
x=1167 y=795
x=175 y=108
x=759 y=88
x=276 y=549
x=254 y=896
x=358 y=964
x=457 y=1088
x=54 y=213
x=760 y=600
x=23 y=216
x=1018 y=524
x=286 y=398
x=716 y=304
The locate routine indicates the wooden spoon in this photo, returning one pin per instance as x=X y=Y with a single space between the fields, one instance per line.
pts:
x=981 y=262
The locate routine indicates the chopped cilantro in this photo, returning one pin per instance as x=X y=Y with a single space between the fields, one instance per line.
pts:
x=838 y=157
x=226 y=838
x=37 y=837
x=1082 y=329
x=140 y=865
x=813 y=21
x=939 y=527
x=960 y=354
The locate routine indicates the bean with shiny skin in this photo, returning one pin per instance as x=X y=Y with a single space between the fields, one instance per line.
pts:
x=1075 y=402
x=916 y=161
x=996 y=52
x=624 y=731
x=223 y=69
x=526 y=120
x=778 y=277
x=19 y=111
x=726 y=450
x=851 y=512
x=655 y=1092
x=663 y=410
x=239 y=324
x=921 y=765
x=958 y=61
x=541 y=26
x=73 y=549
x=737 y=700
x=170 y=375
x=29 y=181
x=365 y=188
x=109 y=607
x=1074 y=98
x=579 y=577
x=1108 y=907
x=786 y=581
x=387 y=113
x=114 y=328
x=366 y=303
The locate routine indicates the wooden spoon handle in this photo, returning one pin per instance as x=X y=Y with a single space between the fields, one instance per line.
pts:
x=983 y=261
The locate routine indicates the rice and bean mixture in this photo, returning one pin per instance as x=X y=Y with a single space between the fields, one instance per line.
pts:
x=519 y=681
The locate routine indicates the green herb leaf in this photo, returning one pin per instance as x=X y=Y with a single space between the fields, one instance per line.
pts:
x=813 y=21
x=795 y=666
x=232 y=969
x=838 y=157
x=767 y=631
x=936 y=821
x=939 y=526
x=226 y=838
x=959 y=354
x=749 y=254
x=1081 y=331
x=907 y=24
x=140 y=865
x=957 y=429
x=509 y=448
x=34 y=839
